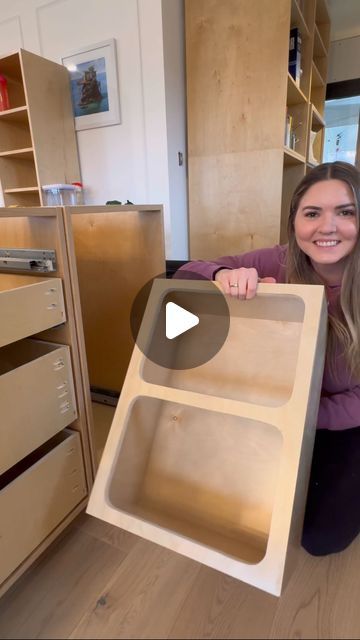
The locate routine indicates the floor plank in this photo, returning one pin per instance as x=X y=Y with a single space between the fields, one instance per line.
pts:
x=105 y=532
x=101 y=582
x=322 y=598
x=221 y=607
x=144 y=596
x=52 y=597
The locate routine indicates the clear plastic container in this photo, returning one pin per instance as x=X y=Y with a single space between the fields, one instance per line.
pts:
x=59 y=194
x=79 y=196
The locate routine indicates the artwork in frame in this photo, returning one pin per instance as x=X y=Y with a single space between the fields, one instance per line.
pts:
x=94 y=85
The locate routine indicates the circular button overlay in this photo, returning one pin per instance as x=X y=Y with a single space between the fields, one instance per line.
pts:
x=180 y=323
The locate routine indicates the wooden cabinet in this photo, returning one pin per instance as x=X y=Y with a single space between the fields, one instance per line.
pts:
x=46 y=459
x=239 y=94
x=117 y=251
x=98 y=260
x=37 y=135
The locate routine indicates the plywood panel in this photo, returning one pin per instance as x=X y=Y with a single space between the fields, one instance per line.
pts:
x=117 y=250
x=233 y=61
x=47 y=90
x=40 y=497
x=217 y=477
x=235 y=202
x=43 y=373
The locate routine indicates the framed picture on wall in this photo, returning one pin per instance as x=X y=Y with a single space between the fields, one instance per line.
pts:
x=94 y=85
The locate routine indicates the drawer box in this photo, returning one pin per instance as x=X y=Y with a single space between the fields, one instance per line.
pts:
x=213 y=461
x=29 y=305
x=36 y=495
x=37 y=396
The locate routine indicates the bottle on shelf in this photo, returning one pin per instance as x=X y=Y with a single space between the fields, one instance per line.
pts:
x=4 y=96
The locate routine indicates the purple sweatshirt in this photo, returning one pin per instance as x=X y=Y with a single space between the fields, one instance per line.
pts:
x=340 y=395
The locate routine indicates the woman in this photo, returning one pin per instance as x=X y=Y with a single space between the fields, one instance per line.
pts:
x=323 y=248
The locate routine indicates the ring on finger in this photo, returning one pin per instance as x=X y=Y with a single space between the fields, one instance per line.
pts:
x=234 y=284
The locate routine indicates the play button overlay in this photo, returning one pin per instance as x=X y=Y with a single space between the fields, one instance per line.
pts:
x=178 y=320
x=180 y=323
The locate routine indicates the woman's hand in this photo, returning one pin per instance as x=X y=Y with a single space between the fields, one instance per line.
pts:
x=240 y=283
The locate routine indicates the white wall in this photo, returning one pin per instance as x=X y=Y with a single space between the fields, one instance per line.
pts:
x=130 y=160
x=344 y=59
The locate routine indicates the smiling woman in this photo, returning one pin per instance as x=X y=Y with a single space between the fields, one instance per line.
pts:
x=326 y=227
x=323 y=248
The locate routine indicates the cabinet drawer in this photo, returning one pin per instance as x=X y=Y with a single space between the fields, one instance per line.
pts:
x=29 y=305
x=37 y=397
x=36 y=495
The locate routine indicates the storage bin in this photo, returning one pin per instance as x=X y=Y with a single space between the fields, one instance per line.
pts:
x=37 y=396
x=59 y=194
x=29 y=305
x=36 y=495
x=213 y=461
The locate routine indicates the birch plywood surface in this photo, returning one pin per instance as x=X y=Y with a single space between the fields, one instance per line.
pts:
x=217 y=477
x=117 y=250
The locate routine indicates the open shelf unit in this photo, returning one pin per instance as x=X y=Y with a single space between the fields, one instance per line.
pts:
x=243 y=129
x=312 y=18
x=39 y=97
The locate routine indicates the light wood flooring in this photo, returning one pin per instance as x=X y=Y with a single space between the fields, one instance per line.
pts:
x=101 y=582
x=98 y=581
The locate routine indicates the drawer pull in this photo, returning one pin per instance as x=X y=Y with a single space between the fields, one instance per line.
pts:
x=71 y=451
x=52 y=306
x=63 y=394
x=59 y=364
x=50 y=291
x=62 y=386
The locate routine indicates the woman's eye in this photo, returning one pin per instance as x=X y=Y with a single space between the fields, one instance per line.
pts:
x=347 y=212
x=311 y=214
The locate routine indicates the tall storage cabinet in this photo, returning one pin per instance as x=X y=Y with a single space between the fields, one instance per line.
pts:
x=37 y=135
x=239 y=95
x=46 y=458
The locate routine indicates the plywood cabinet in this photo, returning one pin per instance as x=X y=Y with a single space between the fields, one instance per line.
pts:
x=98 y=259
x=37 y=135
x=239 y=96
x=46 y=459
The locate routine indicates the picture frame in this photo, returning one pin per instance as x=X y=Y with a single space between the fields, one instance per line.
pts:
x=94 y=85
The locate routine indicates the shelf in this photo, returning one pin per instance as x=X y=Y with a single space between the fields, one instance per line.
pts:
x=316 y=77
x=19 y=114
x=297 y=20
x=22 y=190
x=319 y=47
x=291 y=157
x=311 y=165
x=294 y=93
x=316 y=118
x=18 y=153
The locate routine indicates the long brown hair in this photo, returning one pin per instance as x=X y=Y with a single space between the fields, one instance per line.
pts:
x=344 y=327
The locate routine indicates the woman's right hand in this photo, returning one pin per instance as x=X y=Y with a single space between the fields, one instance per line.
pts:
x=240 y=283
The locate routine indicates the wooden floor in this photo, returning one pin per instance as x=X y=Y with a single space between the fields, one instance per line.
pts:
x=101 y=582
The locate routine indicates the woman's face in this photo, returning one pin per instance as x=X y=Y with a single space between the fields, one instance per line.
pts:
x=326 y=227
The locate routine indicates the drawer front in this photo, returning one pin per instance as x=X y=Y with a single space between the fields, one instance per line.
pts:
x=37 y=401
x=30 y=309
x=33 y=504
